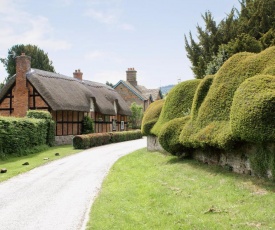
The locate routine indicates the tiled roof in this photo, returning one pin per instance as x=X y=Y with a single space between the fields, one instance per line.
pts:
x=141 y=91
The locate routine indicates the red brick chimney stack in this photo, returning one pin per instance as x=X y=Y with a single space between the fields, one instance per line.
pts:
x=78 y=74
x=23 y=65
x=131 y=76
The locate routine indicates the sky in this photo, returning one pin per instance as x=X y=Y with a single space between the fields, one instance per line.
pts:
x=103 y=38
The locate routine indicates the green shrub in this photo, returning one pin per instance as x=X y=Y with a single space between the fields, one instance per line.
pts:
x=169 y=136
x=81 y=142
x=151 y=116
x=87 y=125
x=177 y=104
x=20 y=135
x=40 y=114
x=210 y=119
x=97 y=139
x=253 y=110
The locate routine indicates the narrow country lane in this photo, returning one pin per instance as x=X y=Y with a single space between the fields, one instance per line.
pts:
x=58 y=195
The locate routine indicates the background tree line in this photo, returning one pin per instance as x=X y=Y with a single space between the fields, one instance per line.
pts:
x=251 y=29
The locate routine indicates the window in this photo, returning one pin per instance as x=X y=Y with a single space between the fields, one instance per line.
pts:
x=122 y=125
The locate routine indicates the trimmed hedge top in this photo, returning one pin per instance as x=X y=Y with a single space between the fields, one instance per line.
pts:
x=236 y=104
x=177 y=104
x=151 y=116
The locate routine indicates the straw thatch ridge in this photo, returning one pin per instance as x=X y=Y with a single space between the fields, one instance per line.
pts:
x=63 y=93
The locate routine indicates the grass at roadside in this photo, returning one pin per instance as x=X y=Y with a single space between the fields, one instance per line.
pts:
x=154 y=191
x=14 y=164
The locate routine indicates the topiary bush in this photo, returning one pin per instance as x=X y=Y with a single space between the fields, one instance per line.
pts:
x=252 y=116
x=177 y=104
x=210 y=119
x=169 y=136
x=151 y=116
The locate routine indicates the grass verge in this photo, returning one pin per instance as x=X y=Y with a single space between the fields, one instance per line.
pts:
x=14 y=166
x=154 y=191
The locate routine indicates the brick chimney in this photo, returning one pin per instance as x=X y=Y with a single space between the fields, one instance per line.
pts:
x=131 y=76
x=78 y=74
x=21 y=105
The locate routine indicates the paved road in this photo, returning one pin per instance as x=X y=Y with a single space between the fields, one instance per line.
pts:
x=58 y=195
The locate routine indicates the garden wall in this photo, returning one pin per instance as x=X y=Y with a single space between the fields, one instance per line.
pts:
x=236 y=161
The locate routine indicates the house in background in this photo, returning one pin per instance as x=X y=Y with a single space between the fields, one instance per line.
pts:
x=131 y=92
x=68 y=99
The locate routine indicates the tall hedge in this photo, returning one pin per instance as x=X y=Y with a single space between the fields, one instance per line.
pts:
x=151 y=116
x=19 y=135
x=253 y=110
x=40 y=114
x=210 y=121
x=177 y=104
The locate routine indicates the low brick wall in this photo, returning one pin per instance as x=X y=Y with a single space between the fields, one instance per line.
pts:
x=235 y=161
x=64 y=140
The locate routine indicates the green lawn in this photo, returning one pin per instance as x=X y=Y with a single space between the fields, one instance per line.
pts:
x=14 y=164
x=146 y=190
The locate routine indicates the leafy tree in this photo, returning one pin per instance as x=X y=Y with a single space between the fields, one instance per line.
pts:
x=87 y=125
x=137 y=114
x=109 y=84
x=250 y=29
x=39 y=59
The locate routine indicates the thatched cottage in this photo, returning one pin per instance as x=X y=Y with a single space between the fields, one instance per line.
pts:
x=131 y=92
x=68 y=99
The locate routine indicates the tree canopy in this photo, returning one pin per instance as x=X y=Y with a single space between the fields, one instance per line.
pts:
x=39 y=59
x=251 y=29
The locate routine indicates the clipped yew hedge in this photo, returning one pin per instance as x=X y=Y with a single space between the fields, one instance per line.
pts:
x=97 y=139
x=151 y=116
x=19 y=135
x=177 y=104
x=253 y=110
x=210 y=123
x=169 y=136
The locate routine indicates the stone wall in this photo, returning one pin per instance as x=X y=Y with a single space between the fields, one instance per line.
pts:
x=154 y=145
x=64 y=140
x=234 y=161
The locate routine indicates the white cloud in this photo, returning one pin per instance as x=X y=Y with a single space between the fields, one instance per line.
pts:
x=103 y=56
x=107 y=17
x=20 y=27
x=109 y=75
x=108 y=12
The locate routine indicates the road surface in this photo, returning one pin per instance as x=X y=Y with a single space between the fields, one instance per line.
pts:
x=58 y=195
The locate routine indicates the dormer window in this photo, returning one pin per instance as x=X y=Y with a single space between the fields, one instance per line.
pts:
x=92 y=105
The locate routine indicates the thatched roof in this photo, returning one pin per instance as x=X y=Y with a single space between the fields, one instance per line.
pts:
x=66 y=93
x=141 y=91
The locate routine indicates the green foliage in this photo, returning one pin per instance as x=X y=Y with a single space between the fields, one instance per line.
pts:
x=20 y=135
x=251 y=30
x=87 y=125
x=178 y=102
x=253 y=109
x=243 y=42
x=169 y=136
x=210 y=119
x=136 y=117
x=151 y=116
x=39 y=59
x=40 y=114
x=97 y=139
